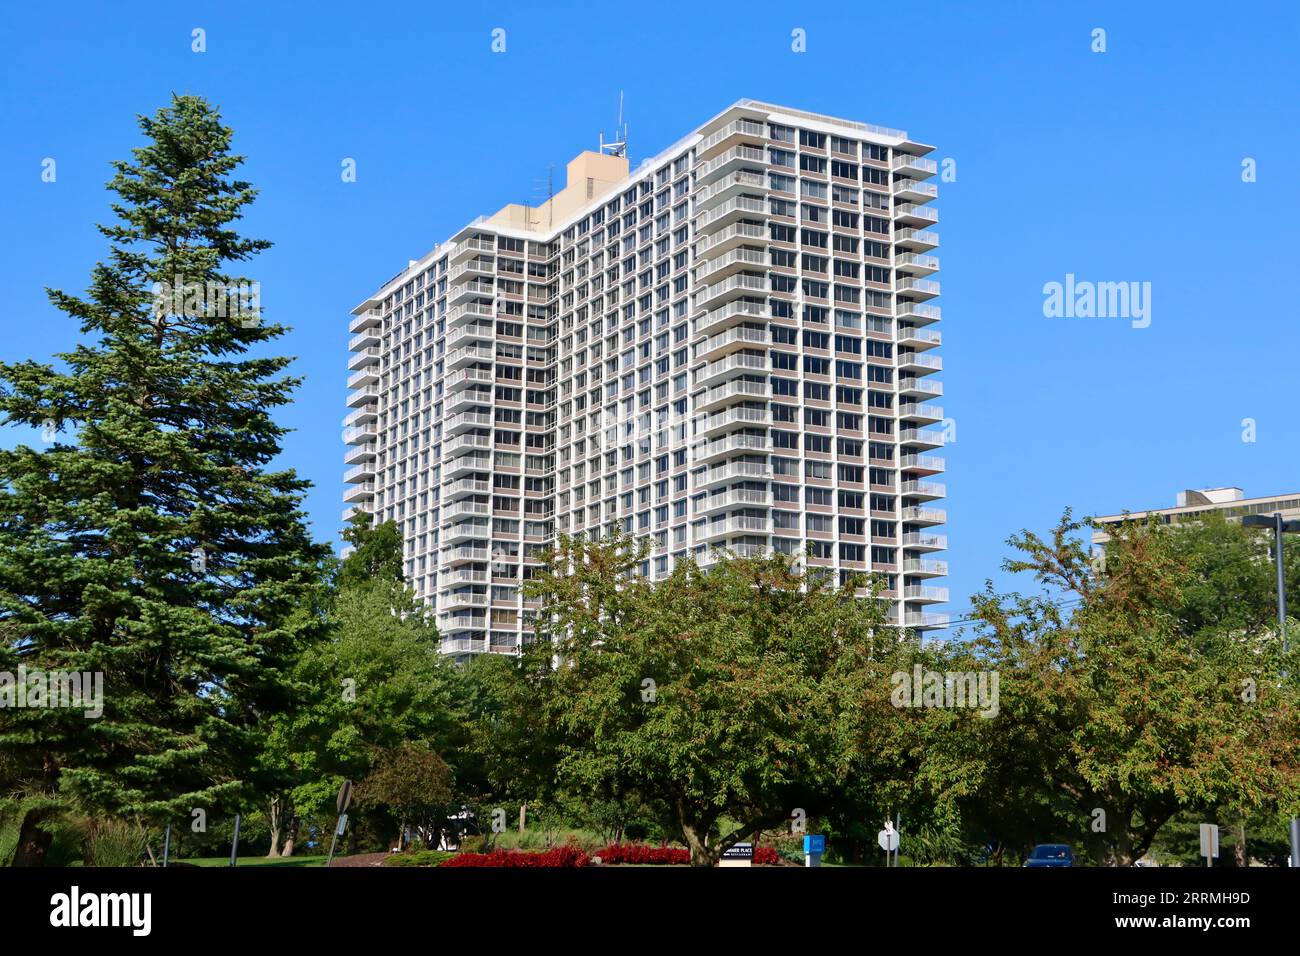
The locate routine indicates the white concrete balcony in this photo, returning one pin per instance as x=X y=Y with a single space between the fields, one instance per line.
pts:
x=733 y=210
x=731 y=471
x=361 y=397
x=464 y=554
x=461 y=444
x=360 y=416
x=728 y=186
x=911 y=214
x=460 y=399
x=729 y=161
x=468 y=355
x=364 y=377
x=464 y=576
x=924 y=516
x=924 y=490
x=713 y=246
x=925 y=568
x=916 y=264
x=916 y=240
x=451 y=600
x=359 y=473
x=468 y=376
x=733 y=313
x=361 y=491
x=732 y=526
x=729 y=445
x=919 y=363
x=472 y=247
x=365 y=358
x=464 y=464
x=742 y=363
x=360 y=434
x=359 y=453
x=369 y=319
x=461 y=487
x=463 y=421
x=733 y=391
x=466 y=334
x=918 y=289
x=918 y=339
x=922 y=594
x=922 y=541
x=921 y=622
x=911 y=190
x=921 y=439
x=732 y=340
x=917 y=313
x=753 y=417
x=465 y=509
x=469 y=291
x=913 y=166
x=735 y=131
x=912 y=387
x=729 y=263
x=363 y=340
x=923 y=414
x=470 y=312
x=466 y=530
x=711 y=296
x=927 y=464
x=735 y=498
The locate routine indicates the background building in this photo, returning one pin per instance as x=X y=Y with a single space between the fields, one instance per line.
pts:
x=730 y=347
x=1193 y=504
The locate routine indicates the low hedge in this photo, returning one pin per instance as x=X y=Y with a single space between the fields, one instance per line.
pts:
x=640 y=853
x=557 y=856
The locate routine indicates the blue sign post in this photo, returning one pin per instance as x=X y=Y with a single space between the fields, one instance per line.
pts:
x=814 y=845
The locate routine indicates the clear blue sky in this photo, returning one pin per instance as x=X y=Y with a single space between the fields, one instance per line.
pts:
x=1118 y=166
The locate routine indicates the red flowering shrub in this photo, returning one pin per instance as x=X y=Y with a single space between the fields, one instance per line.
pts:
x=640 y=853
x=555 y=856
x=655 y=855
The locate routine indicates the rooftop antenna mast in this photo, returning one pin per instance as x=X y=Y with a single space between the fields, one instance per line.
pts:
x=618 y=146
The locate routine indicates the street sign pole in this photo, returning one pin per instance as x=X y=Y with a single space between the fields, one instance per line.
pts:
x=345 y=798
x=234 y=844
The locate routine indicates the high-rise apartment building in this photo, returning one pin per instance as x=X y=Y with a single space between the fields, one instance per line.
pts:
x=729 y=347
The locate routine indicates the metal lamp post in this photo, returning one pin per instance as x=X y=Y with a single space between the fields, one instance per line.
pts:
x=1280 y=528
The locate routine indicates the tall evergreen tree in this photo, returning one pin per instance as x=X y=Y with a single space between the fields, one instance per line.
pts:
x=151 y=540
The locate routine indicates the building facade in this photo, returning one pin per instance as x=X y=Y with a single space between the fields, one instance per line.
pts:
x=1193 y=504
x=731 y=347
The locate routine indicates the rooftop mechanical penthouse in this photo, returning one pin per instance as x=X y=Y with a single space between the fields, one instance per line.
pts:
x=731 y=347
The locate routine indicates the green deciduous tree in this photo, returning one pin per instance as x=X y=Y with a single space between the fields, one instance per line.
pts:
x=1118 y=706
x=151 y=540
x=740 y=693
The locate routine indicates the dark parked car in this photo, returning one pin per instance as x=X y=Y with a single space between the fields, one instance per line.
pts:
x=1051 y=854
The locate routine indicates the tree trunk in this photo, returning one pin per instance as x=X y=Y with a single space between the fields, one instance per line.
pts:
x=523 y=814
x=701 y=853
x=291 y=837
x=275 y=818
x=33 y=842
x=1239 y=849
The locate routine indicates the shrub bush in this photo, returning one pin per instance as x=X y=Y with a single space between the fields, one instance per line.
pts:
x=639 y=853
x=559 y=856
